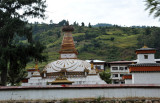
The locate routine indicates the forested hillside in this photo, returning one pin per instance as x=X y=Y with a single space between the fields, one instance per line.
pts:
x=103 y=41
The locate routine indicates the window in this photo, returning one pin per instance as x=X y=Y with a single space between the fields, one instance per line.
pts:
x=145 y=56
x=115 y=82
x=121 y=68
x=115 y=75
x=121 y=75
x=122 y=82
x=98 y=67
x=114 y=68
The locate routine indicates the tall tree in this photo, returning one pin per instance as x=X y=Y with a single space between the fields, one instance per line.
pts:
x=62 y=23
x=51 y=21
x=13 y=22
x=154 y=7
x=82 y=24
x=89 y=25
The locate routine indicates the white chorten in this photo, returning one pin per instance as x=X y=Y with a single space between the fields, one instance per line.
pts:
x=74 y=70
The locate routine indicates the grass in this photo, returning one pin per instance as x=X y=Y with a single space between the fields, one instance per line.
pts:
x=78 y=34
x=121 y=41
x=86 y=55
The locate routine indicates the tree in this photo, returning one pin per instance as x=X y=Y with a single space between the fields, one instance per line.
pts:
x=154 y=7
x=62 y=23
x=89 y=25
x=82 y=24
x=105 y=75
x=59 y=34
x=51 y=21
x=14 y=23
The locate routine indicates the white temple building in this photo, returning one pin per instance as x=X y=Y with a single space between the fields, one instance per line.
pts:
x=67 y=70
x=146 y=70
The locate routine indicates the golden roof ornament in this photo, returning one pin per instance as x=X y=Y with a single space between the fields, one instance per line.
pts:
x=144 y=46
x=92 y=67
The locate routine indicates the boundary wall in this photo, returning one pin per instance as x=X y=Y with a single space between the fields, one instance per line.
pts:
x=59 y=92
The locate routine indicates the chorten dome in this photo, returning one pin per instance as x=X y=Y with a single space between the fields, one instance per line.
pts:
x=68 y=64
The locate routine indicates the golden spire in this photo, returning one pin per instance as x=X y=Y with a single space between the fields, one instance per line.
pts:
x=68 y=45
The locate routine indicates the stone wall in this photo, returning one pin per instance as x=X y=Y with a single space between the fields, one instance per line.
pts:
x=111 y=93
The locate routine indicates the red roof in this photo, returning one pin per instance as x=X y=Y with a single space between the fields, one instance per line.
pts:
x=145 y=51
x=145 y=69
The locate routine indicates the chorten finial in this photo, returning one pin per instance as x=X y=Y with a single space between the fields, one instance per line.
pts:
x=144 y=46
x=67 y=28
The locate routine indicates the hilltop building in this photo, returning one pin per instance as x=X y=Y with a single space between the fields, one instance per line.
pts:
x=68 y=69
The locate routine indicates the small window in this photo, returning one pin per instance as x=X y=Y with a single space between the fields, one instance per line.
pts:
x=114 y=68
x=115 y=75
x=115 y=82
x=121 y=75
x=98 y=67
x=126 y=68
x=121 y=68
x=145 y=56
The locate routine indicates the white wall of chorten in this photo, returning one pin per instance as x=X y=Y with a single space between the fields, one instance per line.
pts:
x=69 y=55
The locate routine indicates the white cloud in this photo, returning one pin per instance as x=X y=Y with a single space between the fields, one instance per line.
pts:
x=121 y=12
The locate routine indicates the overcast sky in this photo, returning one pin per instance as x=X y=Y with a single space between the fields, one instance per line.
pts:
x=121 y=12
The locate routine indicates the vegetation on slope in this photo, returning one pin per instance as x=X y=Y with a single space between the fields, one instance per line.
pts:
x=108 y=43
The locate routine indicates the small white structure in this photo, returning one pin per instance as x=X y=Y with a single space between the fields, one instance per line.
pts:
x=146 y=71
x=74 y=71
x=145 y=55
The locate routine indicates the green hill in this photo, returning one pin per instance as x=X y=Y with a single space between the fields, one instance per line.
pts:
x=104 y=43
